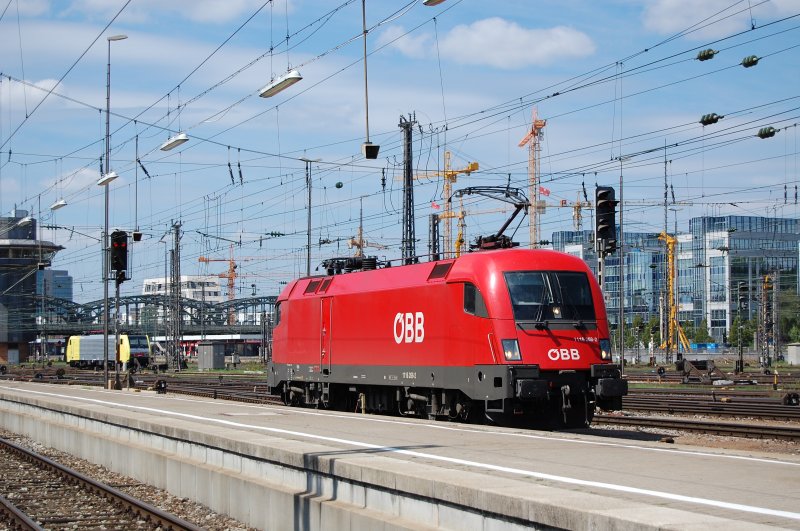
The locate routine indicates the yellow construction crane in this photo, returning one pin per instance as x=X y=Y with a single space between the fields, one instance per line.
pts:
x=449 y=176
x=230 y=275
x=462 y=225
x=533 y=140
x=358 y=241
x=673 y=325
x=577 y=210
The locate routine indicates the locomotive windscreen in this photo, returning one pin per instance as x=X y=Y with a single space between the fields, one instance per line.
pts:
x=138 y=342
x=549 y=295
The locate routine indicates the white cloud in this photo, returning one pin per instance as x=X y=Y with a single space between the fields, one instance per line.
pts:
x=31 y=8
x=18 y=96
x=409 y=45
x=214 y=11
x=203 y=11
x=498 y=43
x=672 y=16
x=78 y=179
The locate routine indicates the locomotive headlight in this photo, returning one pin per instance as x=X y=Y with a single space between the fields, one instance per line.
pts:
x=511 y=350
x=605 y=349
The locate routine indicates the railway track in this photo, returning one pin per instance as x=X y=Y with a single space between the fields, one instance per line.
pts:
x=42 y=494
x=712 y=427
x=255 y=392
x=784 y=377
x=773 y=410
x=709 y=402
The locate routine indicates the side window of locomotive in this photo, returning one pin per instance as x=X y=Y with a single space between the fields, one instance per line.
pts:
x=277 y=313
x=473 y=301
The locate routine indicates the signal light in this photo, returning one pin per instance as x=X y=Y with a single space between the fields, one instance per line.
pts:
x=767 y=132
x=605 y=220
x=742 y=289
x=750 y=60
x=119 y=251
x=708 y=119
x=705 y=55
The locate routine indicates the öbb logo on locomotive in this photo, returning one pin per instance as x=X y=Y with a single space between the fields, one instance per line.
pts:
x=409 y=327
x=564 y=354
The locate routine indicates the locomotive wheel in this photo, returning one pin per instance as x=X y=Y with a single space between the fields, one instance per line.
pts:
x=288 y=398
x=579 y=416
x=323 y=404
x=460 y=408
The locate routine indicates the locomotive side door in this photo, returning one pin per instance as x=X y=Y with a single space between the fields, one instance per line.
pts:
x=325 y=335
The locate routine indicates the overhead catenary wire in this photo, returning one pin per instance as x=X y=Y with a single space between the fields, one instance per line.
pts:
x=584 y=108
x=74 y=64
x=268 y=155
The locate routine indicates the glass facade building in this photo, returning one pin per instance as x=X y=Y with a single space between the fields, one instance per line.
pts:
x=54 y=283
x=713 y=258
x=726 y=251
x=22 y=258
x=644 y=271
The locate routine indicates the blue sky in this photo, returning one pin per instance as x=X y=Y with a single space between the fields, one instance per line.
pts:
x=614 y=80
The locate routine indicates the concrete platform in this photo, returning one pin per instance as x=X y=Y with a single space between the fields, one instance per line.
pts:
x=283 y=468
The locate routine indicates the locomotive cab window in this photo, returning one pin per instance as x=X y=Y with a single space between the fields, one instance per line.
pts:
x=575 y=295
x=473 y=301
x=137 y=341
x=277 y=313
x=550 y=295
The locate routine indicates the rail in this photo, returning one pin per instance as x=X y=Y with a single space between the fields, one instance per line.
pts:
x=704 y=426
x=158 y=518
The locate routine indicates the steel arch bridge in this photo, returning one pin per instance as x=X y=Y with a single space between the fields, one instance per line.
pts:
x=146 y=314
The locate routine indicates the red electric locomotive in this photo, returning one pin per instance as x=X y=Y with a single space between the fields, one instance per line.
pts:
x=506 y=334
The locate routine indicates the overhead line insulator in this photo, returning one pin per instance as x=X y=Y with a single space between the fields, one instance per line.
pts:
x=708 y=119
x=767 y=132
x=705 y=55
x=750 y=60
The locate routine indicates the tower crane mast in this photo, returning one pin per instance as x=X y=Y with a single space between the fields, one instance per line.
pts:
x=673 y=326
x=533 y=141
x=449 y=177
x=358 y=241
x=230 y=275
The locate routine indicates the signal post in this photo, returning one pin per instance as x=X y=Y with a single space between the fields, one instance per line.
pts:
x=605 y=237
x=119 y=264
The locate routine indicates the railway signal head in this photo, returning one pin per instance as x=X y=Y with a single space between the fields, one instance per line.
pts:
x=119 y=251
x=742 y=289
x=605 y=220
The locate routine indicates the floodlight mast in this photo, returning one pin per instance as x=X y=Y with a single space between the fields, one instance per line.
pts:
x=104 y=181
